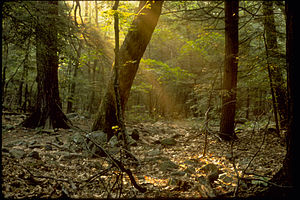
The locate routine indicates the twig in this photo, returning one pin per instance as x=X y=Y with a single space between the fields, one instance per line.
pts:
x=206 y=132
x=263 y=141
x=40 y=176
x=271 y=183
x=96 y=175
x=235 y=169
x=120 y=166
x=60 y=147
x=131 y=155
x=115 y=162
x=246 y=173
x=243 y=172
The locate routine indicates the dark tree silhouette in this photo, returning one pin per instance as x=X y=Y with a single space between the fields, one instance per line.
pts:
x=230 y=70
x=286 y=179
x=47 y=112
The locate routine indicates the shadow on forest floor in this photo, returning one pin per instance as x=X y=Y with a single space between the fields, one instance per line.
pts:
x=39 y=163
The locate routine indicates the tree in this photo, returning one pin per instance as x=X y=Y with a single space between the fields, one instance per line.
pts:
x=287 y=177
x=47 y=112
x=130 y=55
x=274 y=69
x=230 y=70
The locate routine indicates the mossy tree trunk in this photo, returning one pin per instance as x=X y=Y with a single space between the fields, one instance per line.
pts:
x=130 y=54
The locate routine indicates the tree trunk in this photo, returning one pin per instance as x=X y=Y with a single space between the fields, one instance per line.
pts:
x=130 y=54
x=4 y=68
x=230 y=70
x=287 y=176
x=96 y=12
x=47 y=113
x=23 y=78
x=73 y=80
x=91 y=106
x=275 y=71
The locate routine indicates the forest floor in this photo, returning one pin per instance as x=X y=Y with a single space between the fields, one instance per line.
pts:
x=38 y=163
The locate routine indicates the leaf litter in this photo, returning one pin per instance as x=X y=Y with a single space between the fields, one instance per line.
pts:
x=37 y=163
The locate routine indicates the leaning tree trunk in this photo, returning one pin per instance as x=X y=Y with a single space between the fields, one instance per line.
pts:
x=130 y=54
x=47 y=112
x=230 y=70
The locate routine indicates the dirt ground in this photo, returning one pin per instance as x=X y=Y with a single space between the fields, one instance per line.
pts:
x=39 y=163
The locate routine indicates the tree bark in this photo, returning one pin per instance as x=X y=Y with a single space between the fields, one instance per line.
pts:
x=130 y=54
x=287 y=176
x=275 y=71
x=230 y=70
x=72 y=86
x=47 y=112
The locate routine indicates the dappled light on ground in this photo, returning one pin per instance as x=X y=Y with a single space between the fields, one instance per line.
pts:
x=169 y=153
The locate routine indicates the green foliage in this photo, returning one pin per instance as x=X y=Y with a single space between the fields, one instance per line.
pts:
x=206 y=43
x=165 y=73
x=180 y=72
x=126 y=15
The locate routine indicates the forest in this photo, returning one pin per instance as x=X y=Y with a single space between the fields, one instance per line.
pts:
x=148 y=99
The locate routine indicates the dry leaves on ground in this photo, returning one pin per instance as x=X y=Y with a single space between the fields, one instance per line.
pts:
x=37 y=163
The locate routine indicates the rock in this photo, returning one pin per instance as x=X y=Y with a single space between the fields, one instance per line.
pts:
x=213 y=176
x=190 y=170
x=48 y=147
x=17 y=153
x=150 y=159
x=79 y=143
x=77 y=138
x=113 y=142
x=202 y=180
x=168 y=166
x=51 y=156
x=47 y=131
x=230 y=157
x=68 y=156
x=131 y=141
x=34 y=154
x=154 y=152
x=173 y=181
x=168 y=142
x=155 y=159
x=205 y=188
x=226 y=178
x=194 y=163
x=209 y=167
x=98 y=136
x=135 y=134
x=16 y=143
x=8 y=127
x=32 y=142
x=178 y=173
x=212 y=171
x=35 y=146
